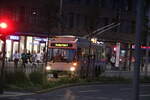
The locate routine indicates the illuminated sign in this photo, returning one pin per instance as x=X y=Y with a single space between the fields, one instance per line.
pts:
x=41 y=39
x=145 y=47
x=142 y=47
x=14 y=38
x=61 y=44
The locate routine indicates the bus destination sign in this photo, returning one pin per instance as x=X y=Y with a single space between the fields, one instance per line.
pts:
x=61 y=44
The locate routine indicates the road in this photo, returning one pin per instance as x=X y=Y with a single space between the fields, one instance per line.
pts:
x=89 y=92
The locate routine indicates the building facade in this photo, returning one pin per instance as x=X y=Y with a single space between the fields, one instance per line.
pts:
x=118 y=11
x=36 y=21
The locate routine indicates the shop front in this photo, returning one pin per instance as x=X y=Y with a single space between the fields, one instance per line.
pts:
x=23 y=43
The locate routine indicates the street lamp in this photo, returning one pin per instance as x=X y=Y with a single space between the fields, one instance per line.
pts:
x=3 y=25
x=60 y=16
x=5 y=30
x=136 y=73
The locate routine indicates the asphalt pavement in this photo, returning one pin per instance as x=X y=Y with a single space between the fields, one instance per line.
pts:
x=88 y=92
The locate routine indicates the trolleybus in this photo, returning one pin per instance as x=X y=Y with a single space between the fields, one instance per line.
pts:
x=71 y=54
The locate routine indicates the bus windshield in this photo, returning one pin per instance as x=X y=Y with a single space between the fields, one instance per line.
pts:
x=61 y=55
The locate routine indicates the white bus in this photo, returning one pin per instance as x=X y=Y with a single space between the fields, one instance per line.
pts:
x=70 y=53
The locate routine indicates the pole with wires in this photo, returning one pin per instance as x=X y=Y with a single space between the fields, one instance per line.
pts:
x=136 y=73
x=2 y=77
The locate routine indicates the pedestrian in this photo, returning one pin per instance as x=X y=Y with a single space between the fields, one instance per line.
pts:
x=142 y=64
x=29 y=56
x=112 y=61
x=1 y=58
x=24 y=58
x=1 y=55
x=34 y=56
x=38 y=57
x=16 y=58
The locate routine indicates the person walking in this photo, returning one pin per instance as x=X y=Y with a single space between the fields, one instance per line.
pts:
x=16 y=58
x=29 y=56
x=1 y=55
x=1 y=58
x=33 y=58
x=24 y=58
x=38 y=57
x=112 y=61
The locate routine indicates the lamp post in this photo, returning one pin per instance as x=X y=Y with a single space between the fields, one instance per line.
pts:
x=2 y=77
x=3 y=28
x=6 y=27
x=136 y=73
x=60 y=9
x=60 y=16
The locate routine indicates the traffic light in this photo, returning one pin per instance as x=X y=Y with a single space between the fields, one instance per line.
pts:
x=6 y=27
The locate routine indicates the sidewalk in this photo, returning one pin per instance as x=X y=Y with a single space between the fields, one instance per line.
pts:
x=125 y=74
x=14 y=94
x=121 y=72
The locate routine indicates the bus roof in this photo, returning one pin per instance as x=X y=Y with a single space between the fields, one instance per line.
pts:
x=65 y=36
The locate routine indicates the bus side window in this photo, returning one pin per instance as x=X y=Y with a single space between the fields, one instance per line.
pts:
x=79 y=53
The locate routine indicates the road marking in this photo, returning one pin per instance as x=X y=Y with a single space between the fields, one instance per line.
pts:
x=145 y=85
x=29 y=99
x=125 y=89
x=145 y=95
x=89 y=91
x=15 y=98
x=117 y=99
x=60 y=95
x=14 y=95
x=103 y=98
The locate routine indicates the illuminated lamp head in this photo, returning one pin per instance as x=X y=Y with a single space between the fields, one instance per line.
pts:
x=3 y=25
x=72 y=69
x=75 y=64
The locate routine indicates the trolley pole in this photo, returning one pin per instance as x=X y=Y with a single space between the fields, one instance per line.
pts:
x=139 y=18
x=60 y=16
x=2 y=77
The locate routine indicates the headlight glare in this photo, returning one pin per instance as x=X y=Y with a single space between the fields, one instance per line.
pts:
x=72 y=69
x=48 y=68
x=75 y=64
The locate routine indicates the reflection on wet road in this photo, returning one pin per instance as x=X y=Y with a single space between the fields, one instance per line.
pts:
x=89 y=92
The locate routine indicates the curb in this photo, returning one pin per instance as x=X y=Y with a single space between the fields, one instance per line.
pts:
x=15 y=95
x=50 y=89
x=57 y=87
x=65 y=86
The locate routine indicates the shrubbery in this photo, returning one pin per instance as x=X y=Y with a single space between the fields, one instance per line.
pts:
x=145 y=80
x=18 y=78
x=37 y=78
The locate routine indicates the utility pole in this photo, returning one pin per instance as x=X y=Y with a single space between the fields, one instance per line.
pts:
x=60 y=9
x=60 y=16
x=147 y=57
x=139 y=18
x=4 y=28
x=2 y=77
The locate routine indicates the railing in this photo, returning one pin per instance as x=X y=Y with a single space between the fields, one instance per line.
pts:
x=28 y=68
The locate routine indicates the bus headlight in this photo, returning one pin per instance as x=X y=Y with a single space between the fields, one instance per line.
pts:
x=48 y=68
x=75 y=64
x=72 y=69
